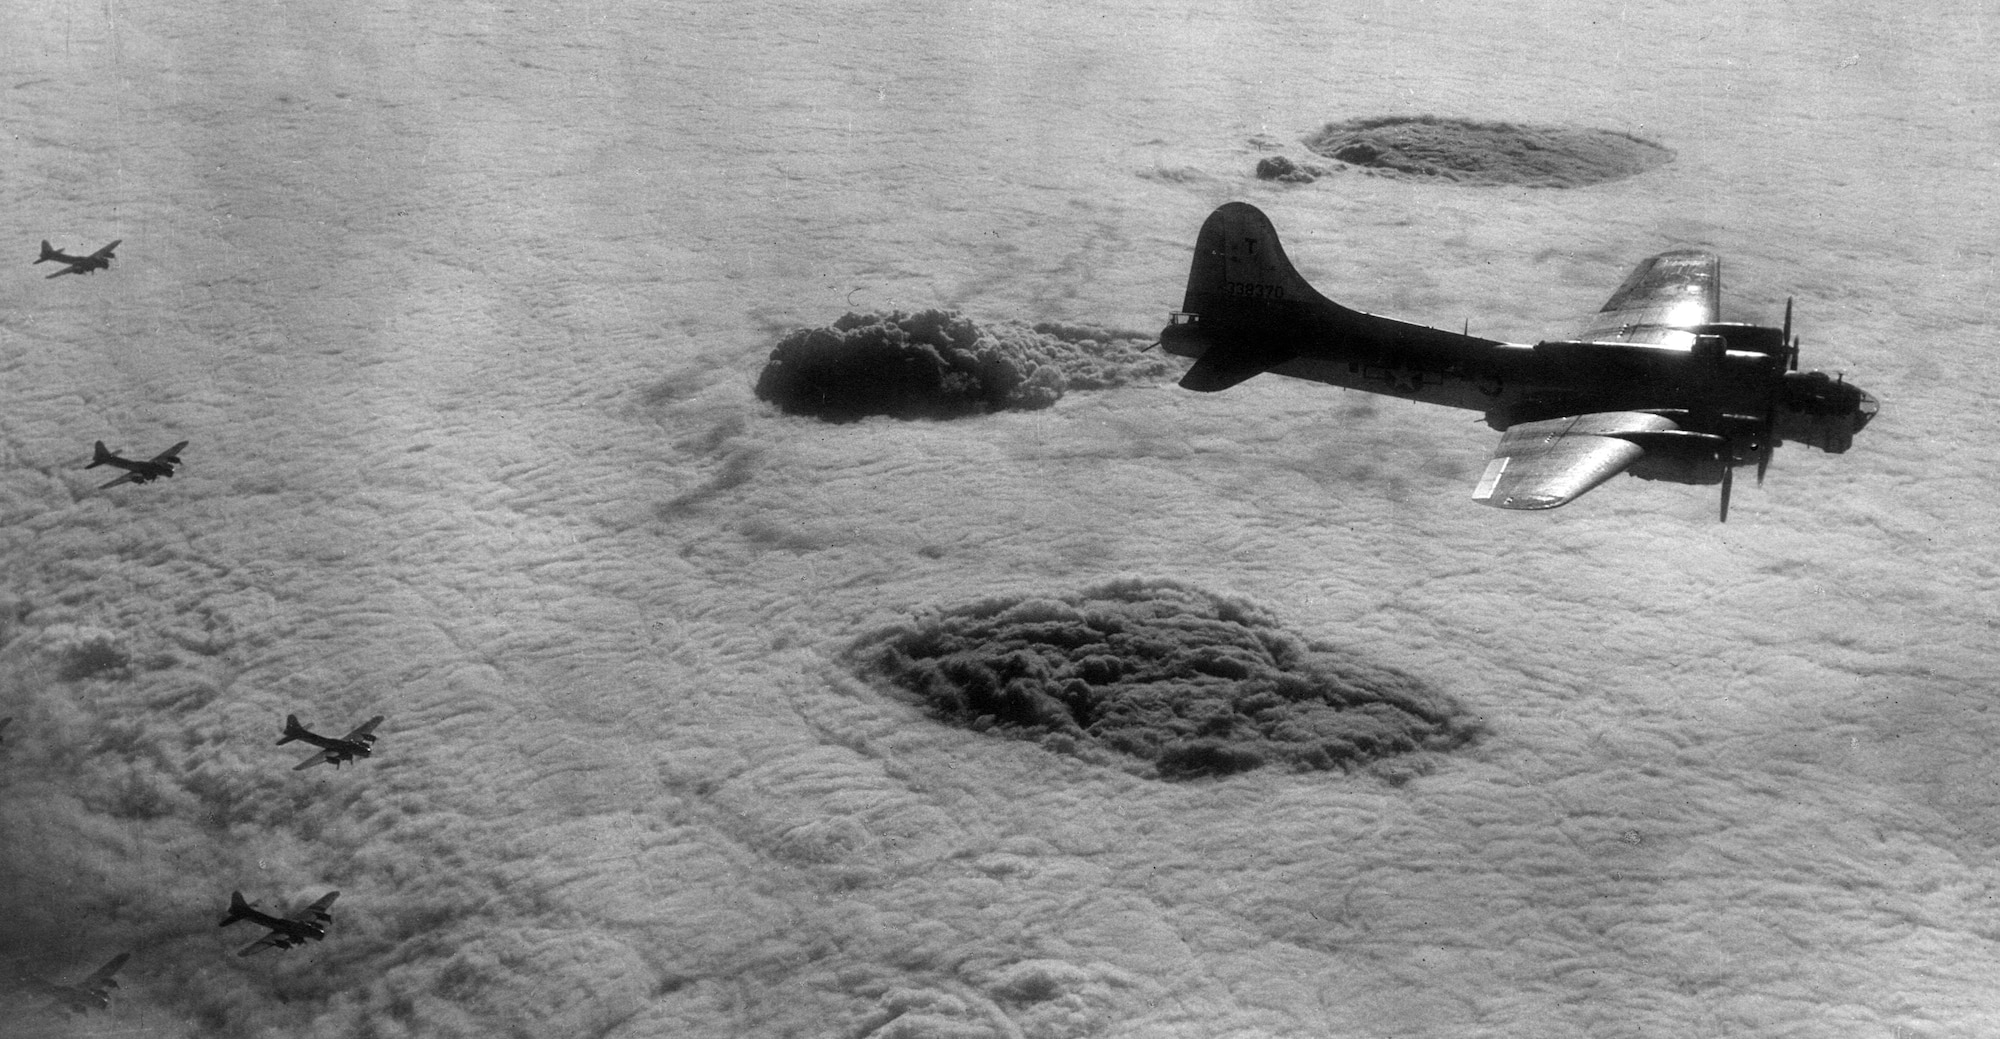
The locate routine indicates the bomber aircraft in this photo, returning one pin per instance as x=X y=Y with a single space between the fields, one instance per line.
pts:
x=308 y=924
x=1653 y=384
x=92 y=993
x=162 y=464
x=96 y=261
x=332 y=751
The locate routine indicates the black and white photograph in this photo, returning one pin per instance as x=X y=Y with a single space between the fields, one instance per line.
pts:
x=1127 y=520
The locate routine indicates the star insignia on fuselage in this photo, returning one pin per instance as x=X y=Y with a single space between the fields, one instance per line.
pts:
x=1404 y=377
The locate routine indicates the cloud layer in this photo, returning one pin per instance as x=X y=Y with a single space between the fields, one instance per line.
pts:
x=463 y=317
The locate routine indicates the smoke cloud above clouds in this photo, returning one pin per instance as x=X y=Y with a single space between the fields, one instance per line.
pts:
x=1475 y=152
x=1188 y=682
x=937 y=364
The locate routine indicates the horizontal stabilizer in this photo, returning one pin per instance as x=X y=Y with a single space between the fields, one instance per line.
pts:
x=1213 y=371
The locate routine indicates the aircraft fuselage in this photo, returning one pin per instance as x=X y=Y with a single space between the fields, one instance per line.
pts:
x=1653 y=384
x=295 y=930
x=142 y=472
x=1723 y=379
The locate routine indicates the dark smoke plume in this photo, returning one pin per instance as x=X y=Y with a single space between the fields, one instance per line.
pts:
x=1465 y=151
x=936 y=364
x=1190 y=683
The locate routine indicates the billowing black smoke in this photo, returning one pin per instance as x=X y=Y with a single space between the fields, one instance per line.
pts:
x=1187 y=682
x=1467 y=151
x=936 y=364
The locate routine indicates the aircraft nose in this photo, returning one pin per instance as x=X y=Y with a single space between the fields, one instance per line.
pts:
x=1864 y=409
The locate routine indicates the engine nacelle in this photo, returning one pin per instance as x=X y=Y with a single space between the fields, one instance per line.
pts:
x=1755 y=339
x=1681 y=456
x=1821 y=410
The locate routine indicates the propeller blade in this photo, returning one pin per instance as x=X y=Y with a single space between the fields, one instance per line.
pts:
x=1767 y=441
x=1727 y=471
x=1791 y=341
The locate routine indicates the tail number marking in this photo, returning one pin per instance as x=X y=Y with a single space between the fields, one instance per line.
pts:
x=1251 y=290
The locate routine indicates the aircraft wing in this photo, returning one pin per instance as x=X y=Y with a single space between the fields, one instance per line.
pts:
x=172 y=455
x=273 y=940
x=1540 y=465
x=106 y=251
x=1661 y=300
x=102 y=979
x=365 y=731
x=318 y=910
x=318 y=758
x=74 y=268
x=127 y=478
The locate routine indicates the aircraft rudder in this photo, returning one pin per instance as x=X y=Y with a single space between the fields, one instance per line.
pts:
x=48 y=252
x=238 y=909
x=1240 y=266
x=293 y=730
x=1246 y=307
x=99 y=456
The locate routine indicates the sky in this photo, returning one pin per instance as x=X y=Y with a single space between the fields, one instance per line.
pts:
x=460 y=310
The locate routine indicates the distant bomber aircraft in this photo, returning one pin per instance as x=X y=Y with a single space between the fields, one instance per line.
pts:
x=347 y=748
x=308 y=924
x=1653 y=384
x=92 y=993
x=96 y=261
x=162 y=464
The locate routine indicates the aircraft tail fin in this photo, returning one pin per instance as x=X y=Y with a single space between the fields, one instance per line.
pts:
x=99 y=457
x=1244 y=303
x=1239 y=265
x=238 y=909
x=293 y=730
x=1248 y=310
x=48 y=253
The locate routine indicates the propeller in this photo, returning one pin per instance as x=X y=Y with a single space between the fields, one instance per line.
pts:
x=1727 y=479
x=1791 y=341
x=1767 y=440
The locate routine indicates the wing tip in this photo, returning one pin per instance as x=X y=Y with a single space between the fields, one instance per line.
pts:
x=1524 y=502
x=1530 y=502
